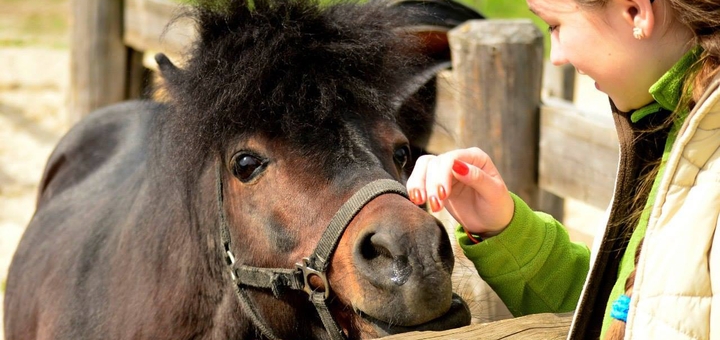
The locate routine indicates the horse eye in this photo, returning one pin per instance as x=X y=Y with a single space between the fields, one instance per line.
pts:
x=245 y=167
x=401 y=156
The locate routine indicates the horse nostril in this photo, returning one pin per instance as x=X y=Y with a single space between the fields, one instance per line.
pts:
x=376 y=253
x=401 y=270
x=371 y=249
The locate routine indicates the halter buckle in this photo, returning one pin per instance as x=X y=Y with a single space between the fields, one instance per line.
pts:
x=307 y=272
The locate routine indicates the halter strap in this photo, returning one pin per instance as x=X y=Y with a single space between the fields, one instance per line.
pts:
x=351 y=207
x=280 y=279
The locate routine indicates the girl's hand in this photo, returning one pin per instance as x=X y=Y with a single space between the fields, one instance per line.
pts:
x=468 y=185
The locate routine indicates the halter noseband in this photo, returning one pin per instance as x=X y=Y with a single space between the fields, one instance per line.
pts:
x=279 y=279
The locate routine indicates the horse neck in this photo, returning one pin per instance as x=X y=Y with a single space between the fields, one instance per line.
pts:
x=184 y=223
x=185 y=218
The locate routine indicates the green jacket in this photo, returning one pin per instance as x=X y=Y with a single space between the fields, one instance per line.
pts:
x=535 y=268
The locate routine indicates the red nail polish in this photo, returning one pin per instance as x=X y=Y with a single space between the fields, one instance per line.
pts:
x=460 y=168
x=414 y=196
x=434 y=204
x=441 y=192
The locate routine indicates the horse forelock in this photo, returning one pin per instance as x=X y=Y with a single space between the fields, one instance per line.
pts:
x=295 y=70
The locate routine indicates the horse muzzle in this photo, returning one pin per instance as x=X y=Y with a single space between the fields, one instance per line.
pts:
x=458 y=315
x=401 y=270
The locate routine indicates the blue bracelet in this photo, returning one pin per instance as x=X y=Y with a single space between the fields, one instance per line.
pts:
x=620 y=308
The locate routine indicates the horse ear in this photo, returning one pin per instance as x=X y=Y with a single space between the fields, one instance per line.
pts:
x=168 y=70
x=431 y=20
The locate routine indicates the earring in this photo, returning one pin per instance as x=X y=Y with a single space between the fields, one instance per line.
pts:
x=638 y=33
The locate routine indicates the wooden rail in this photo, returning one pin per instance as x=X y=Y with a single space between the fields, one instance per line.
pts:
x=538 y=326
x=156 y=26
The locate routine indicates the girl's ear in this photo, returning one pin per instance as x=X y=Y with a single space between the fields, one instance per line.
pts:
x=641 y=16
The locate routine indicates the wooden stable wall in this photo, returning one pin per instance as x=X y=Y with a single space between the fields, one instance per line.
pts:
x=500 y=96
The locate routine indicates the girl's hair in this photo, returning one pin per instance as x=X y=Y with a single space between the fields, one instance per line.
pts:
x=617 y=327
x=702 y=17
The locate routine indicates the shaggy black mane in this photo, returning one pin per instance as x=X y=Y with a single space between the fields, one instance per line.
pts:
x=289 y=69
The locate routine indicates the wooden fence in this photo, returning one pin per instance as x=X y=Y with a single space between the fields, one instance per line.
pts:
x=500 y=96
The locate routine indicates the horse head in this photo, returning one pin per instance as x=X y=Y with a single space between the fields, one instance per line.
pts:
x=300 y=104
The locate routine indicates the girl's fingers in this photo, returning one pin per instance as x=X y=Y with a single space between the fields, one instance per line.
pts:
x=472 y=156
x=434 y=177
x=430 y=181
x=416 y=181
x=468 y=184
x=439 y=181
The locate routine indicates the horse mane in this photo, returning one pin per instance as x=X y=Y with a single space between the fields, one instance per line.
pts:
x=289 y=69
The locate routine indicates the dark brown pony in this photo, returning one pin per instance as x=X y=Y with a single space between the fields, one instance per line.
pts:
x=186 y=219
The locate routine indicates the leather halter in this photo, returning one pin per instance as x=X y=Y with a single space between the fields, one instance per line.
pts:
x=280 y=279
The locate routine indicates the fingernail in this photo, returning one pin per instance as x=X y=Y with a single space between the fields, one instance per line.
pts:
x=441 y=192
x=460 y=168
x=415 y=196
x=434 y=204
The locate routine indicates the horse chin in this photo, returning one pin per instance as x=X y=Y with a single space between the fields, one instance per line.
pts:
x=457 y=316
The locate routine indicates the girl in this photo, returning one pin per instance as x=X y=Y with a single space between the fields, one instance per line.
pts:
x=658 y=61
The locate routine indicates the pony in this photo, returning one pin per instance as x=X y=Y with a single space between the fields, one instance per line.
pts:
x=262 y=197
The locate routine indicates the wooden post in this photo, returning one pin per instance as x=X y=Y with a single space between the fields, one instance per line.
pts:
x=498 y=67
x=100 y=62
x=559 y=82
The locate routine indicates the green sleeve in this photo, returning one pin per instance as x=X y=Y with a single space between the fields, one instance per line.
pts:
x=532 y=265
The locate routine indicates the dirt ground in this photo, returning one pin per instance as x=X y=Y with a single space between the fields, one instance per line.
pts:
x=32 y=118
x=34 y=76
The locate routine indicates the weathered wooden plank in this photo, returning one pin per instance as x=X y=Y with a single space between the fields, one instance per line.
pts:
x=444 y=136
x=147 y=29
x=578 y=154
x=531 y=327
x=558 y=81
x=98 y=57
